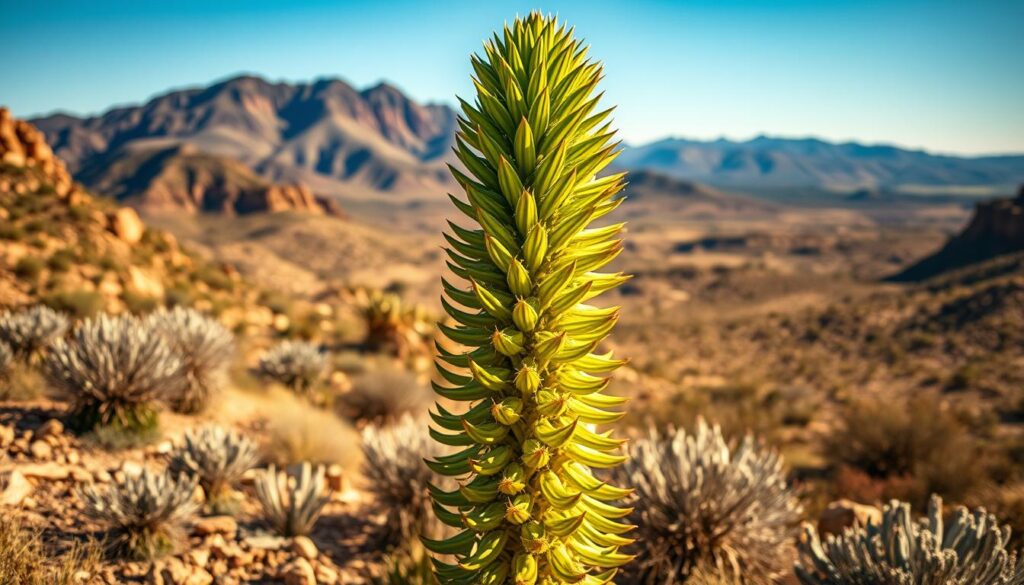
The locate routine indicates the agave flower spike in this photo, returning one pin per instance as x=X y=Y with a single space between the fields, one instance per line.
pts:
x=531 y=145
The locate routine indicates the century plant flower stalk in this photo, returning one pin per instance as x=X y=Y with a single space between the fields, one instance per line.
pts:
x=529 y=509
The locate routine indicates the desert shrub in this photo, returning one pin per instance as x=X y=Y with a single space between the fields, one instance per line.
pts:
x=25 y=559
x=205 y=348
x=61 y=261
x=80 y=304
x=11 y=232
x=910 y=449
x=214 y=277
x=392 y=325
x=966 y=548
x=145 y=514
x=29 y=267
x=702 y=503
x=296 y=364
x=115 y=371
x=6 y=362
x=217 y=458
x=384 y=395
x=292 y=505
x=399 y=480
x=296 y=431
x=31 y=331
x=139 y=304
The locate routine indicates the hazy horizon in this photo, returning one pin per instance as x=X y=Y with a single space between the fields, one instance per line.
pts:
x=934 y=76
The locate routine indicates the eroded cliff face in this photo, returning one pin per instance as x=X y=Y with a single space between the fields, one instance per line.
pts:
x=996 y=228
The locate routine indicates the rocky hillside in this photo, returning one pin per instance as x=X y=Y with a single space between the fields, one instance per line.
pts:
x=996 y=228
x=80 y=253
x=180 y=178
x=326 y=134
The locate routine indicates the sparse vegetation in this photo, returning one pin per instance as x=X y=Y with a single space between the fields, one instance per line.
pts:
x=217 y=457
x=904 y=450
x=80 y=304
x=26 y=560
x=145 y=514
x=963 y=549
x=298 y=365
x=384 y=395
x=115 y=371
x=292 y=504
x=401 y=483
x=701 y=503
x=205 y=348
x=29 y=332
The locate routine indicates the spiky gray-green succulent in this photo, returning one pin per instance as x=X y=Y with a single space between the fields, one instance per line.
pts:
x=299 y=365
x=30 y=331
x=115 y=372
x=218 y=458
x=964 y=548
x=705 y=507
x=146 y=513
x=529 y=508
x=292 y=505
x=393 y=466
x=205 y=348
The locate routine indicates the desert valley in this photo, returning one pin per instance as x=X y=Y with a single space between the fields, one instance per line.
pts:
x=859 y=309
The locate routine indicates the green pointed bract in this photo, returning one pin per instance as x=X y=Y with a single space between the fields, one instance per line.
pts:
x=526 y=265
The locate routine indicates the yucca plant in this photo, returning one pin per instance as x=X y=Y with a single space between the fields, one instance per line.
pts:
x=393 y=467
x=529 y=508
x=217 y=457
x=115 y=371
x=31 y=331
x=205 y=348
x=391 y=323
x=707 y=510
x=146 y=513
x=966 y=548
x=292 y=505
x=299 y=365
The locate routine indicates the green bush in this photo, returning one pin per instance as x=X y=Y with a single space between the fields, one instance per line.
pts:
x=29 y=268
x=80 y=304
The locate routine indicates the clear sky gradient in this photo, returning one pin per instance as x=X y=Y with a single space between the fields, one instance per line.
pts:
x=945 y=75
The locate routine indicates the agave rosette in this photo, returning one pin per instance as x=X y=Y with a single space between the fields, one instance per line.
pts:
x=529 y=509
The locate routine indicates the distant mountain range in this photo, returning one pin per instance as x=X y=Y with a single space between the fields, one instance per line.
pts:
x=781 y=163
x=338 y=141
x=326 y=134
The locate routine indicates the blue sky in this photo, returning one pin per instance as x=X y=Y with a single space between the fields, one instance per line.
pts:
x=944 y=75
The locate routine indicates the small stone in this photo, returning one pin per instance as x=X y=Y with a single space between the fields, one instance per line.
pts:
x=266 y=542
x=6 y=435
x=50 y=428
x=298 y=572
x=199 y=577
x=131 y=468
x=15 y=489
x=102 y=476
x=305 y=547
x=842 y=514
x=326 y=575
x=216 y=525
x=41 y=450
x=199 y=557
x=45 y=471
